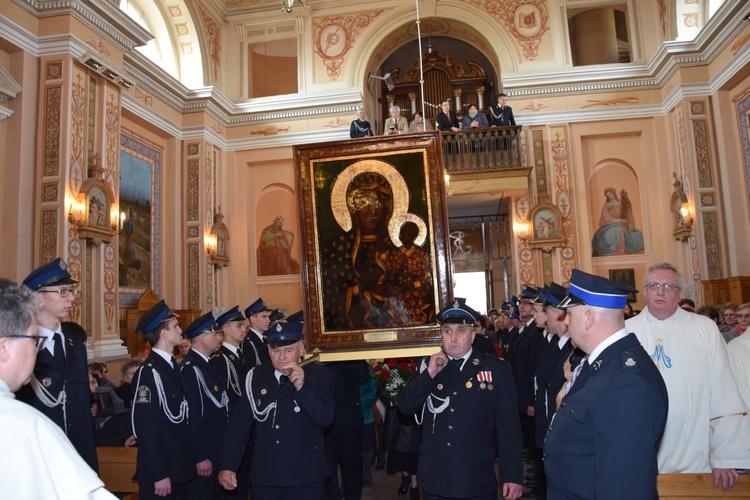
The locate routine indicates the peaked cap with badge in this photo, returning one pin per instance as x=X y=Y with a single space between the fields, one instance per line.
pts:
x=51 y=274
x=205 y=323
x=233 y=314
x=592 y=290
x=256 y=307
x=154 y=317
x=457 y=313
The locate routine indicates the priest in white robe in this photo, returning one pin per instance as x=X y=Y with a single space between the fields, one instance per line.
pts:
x=708 y=429
x=739 y=358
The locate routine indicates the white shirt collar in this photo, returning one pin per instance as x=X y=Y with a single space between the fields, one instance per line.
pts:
x=164 y=354
x=465 y=357
x=201 y=354
x=563 y=340
x=50 y=343
x=233 y=348
x=606 y=343
x=256 y=332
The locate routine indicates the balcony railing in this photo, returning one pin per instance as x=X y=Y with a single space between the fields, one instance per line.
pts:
x=481 y=149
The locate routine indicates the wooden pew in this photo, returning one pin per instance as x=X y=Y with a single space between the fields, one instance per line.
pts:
x=691 y=486
x=116 y=469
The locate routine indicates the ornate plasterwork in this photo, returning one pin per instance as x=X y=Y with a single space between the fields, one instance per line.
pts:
x=336 y=123
x=213 y=34
x=741 y=42
x=702 y=156
x=743 y=119
x=525 y=20
x=194 y=266
x=97 y=44
x=146 y=98
x=561 y=172
x=539 y=167
x=711 y=238
x=334 y=36
x=52 y=107
x=49 y=235
x=534 y=105
x=193 y=170
x=270 y=130
x=663 y=17
x=610 y=102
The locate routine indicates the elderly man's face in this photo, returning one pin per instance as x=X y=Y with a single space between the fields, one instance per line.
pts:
x=457 y=339
x=395 y=113
x=578 y=319
x=662 y=303
x=361 y=114
x=283 y=356
x=20 y=356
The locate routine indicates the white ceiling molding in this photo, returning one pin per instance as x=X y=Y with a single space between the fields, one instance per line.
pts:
x=9 y=89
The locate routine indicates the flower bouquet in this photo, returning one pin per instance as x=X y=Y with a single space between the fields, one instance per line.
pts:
x=393 y=374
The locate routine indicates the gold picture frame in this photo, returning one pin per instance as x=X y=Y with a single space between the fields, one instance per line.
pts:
x=374 y=236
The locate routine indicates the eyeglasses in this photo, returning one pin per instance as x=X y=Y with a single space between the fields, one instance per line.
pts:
x=667 y=287
x=39 y=340
x=743 y=316
x=63 y=293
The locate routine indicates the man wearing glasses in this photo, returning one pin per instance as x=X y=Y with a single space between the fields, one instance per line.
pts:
x=707 y=423
x=59 y=387
x=39 y=461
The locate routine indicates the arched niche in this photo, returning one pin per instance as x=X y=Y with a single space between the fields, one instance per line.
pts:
x=277 y=229
x=393 y=29
x=612 y=173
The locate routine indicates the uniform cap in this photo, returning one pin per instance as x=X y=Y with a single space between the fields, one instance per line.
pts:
x=256 y=307
x=203 y=324
x=283 y=334
x=297 y=317
x=51 y=274
x=592 y=290
x=276 y=315
x=457 y=313
x=555 y=294
x=154 y=317
x=233 y=314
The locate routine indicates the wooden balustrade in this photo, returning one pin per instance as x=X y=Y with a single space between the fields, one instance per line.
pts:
x=481 y=149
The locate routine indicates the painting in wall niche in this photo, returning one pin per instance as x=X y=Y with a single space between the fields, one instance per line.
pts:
x=624 y=277
x=275 y=250
x=135 y=234
x=616 y=233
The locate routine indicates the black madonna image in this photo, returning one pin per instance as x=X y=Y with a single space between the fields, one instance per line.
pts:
x=376 y=264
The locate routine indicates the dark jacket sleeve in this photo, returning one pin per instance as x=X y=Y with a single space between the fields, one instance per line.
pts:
x=508 y=427
x=316 y=396
x=237 y=435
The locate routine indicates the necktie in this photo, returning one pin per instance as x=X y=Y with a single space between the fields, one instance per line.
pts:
x=583 y=374
x=265 y=340
x=456 y=364
x=59 y=353
x=174 y=364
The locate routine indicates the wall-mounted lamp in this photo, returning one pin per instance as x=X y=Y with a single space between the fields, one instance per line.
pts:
x=522 y=230
x=75 y=212
x=680 y=206
x=211 y=242
x=685 y=212
x=117 y=220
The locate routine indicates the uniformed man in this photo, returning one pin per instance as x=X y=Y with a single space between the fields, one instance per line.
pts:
x=291 y=411
x=59 y=387
x=500 y=114
x=165 y=463
x=255 y=347
x=232 y=370
x=603 y=440
x=208 y=404
x=360 y=127
x=460 y=402
x=275 y=316
x=549 y=377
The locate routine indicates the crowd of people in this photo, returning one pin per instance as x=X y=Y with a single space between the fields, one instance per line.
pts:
x=559 y=393
x=446 y=120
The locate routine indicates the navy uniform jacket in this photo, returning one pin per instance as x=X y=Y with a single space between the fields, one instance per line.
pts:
x=521 y=358
x=207 y=421
x=460 y=438
x=163 y=446
x=222 y=360
x=289 y=449
x=501 y=116
x=254 y=350
x=74 y=377
x=360 y=128
x=549 y=380
x=444 y=124
x=348 y=376
x=604 y=438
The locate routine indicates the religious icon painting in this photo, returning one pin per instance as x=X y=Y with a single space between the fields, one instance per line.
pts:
x=374 y=239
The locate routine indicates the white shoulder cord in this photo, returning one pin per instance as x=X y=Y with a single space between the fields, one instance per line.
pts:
x=47 y=400
x=162 y=402
x=203 y=388
x=230 y=372
x=255 y=350
x=260 y=416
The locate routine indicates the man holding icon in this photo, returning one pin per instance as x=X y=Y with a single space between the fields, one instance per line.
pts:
x=460 y=397
x=291 y=406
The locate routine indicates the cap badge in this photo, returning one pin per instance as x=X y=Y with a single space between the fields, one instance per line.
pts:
x=456 y=304
x=278 y=327
x=630 y=362
x=475 y=361
x=63 y=265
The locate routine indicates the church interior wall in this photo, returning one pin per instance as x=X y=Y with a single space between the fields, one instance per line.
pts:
x=624 y=137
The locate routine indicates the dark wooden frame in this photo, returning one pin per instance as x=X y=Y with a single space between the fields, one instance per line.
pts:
x=330 y=160
x=624 y=277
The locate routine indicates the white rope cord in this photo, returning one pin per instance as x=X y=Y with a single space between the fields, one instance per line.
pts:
x=175 y=419
x=50 y=402
x=230 y=372
x=260 y=416
x=204 y=388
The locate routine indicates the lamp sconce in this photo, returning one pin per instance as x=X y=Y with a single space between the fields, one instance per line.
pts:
x=522 y=230
x=75 y=212
x=118 y=220
x=216 y=242
x=683 y=213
